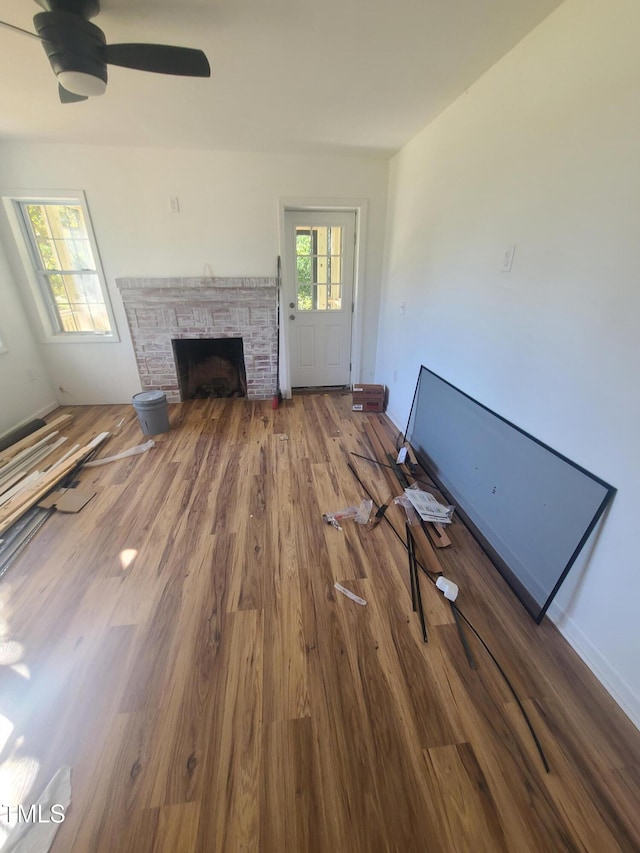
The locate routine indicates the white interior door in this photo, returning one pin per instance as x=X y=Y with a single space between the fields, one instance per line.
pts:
x=318 y=301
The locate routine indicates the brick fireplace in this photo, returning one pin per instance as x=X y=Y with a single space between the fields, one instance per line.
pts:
x=162 y=310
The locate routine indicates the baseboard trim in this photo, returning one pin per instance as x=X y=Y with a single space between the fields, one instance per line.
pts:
x=606 y=674
x=45 y=410
x=614 y=684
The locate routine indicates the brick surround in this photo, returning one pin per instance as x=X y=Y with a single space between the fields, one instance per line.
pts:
x=160 y=310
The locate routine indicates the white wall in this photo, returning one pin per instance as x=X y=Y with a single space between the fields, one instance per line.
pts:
x=25 y=390
x=228 y=226
x=542 y=152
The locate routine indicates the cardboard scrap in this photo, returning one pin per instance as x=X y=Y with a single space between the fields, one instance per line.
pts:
x=66 y=500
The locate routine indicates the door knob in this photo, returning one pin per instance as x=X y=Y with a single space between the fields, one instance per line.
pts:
x=292 y=316
x=292 y=305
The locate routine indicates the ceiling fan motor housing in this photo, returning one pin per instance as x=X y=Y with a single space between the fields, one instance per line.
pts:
x=72 y=44
x=85 y=8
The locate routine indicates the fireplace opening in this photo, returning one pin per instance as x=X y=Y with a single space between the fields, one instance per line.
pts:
x=210 y=367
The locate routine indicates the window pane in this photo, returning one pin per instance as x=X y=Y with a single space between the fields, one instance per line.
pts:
x=38 y=219
x=67 y=320
x=49 y=255
x=66 y=221
x=76 y=255
x=66 y=254
x=92 y=291
x=56 y=284
x=74 y=287
x=99 y=318
x=79 y=303
x=60 y=238
x=82 y=317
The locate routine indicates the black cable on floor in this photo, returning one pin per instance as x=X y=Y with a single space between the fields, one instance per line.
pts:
x=523 y=711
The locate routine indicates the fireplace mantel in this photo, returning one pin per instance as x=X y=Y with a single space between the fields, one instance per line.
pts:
x=160 y=310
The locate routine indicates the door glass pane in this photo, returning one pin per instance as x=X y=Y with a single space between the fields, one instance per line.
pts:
x=303 y=268
x=321 y=240
x=321 y=270
x=336 y=240
x=321 y=297
x=303 y=240
x=336 y=269
x=305 y=302
x=334 y=298
x=319 y=267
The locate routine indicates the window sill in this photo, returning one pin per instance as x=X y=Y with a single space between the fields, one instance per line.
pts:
x=81 y=339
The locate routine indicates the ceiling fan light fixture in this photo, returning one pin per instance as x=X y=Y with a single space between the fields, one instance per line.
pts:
x=81 y=83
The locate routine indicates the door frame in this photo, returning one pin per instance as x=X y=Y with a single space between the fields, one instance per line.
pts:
x=359 y=206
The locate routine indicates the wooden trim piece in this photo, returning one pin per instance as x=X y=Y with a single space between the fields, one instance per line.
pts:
x=441 y=537
x=44 y=431
x=24 y=484
x=18 y=505
x=25 y=456
x=9 y=480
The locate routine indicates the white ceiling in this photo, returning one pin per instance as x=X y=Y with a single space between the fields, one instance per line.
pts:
x=337 y=76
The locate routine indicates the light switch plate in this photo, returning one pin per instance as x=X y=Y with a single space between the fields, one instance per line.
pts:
x=507 y=260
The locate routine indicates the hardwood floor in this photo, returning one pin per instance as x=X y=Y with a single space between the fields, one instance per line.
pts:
x=180 y=644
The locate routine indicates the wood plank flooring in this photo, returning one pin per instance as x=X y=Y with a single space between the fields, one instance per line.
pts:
x=180 y=644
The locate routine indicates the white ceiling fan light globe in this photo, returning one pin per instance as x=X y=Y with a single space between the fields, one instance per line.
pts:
x=80 y=83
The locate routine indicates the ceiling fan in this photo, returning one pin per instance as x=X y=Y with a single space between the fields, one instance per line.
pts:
x=79 y=53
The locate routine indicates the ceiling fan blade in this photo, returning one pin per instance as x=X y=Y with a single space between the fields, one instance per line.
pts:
x=67 y=97
x=159 y=58
x=19 y=30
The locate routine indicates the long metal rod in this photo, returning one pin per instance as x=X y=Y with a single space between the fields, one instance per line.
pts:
x=416 y=580
x=419 y=480
x=488 y=650
x=513 y=693
x=412 y=569
x=463 y=639
x=27 y=535
x=369 y=459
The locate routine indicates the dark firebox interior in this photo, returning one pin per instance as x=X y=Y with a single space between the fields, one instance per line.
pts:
x=210 y=367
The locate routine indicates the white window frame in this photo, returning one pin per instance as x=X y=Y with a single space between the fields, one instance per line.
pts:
x=12 y=200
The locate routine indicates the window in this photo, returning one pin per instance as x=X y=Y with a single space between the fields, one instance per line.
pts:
x=59 y=252
x=319 y=267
